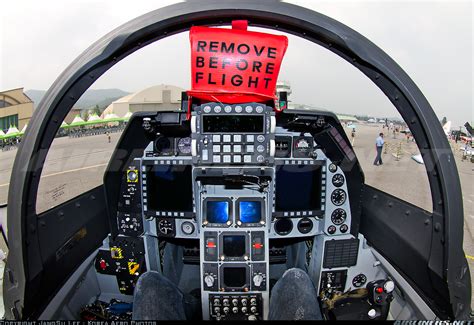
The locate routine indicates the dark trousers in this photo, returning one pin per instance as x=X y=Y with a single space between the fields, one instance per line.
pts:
x=378 y=159
x=293 y=297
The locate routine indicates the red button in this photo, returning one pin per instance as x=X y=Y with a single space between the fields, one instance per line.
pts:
x=102 y=265
x=257 y=245
x=379 y=289
x=211 y=245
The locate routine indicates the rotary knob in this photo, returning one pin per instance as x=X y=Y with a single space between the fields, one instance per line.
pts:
x=257 y=280
x=187 y=228
x=132 y=176
x=372 y=313
x=235 y=310
x=209 y=280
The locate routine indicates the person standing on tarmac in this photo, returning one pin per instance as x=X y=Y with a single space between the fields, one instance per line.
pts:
x=353 y=135
x=379 y=142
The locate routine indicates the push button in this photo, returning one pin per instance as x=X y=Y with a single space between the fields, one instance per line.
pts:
x=216 y=138
x=216 y=148
x=238 y=148
x=237 y=138
x=227 y=148
x=250 y=138
x=250 y=148
x=226 y=138
x=237 y=159
x=210 y=253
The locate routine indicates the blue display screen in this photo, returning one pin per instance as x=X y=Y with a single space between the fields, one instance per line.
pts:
x=250 y=211
x=217 y=211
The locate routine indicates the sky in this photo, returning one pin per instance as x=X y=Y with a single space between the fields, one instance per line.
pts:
x=431 y=41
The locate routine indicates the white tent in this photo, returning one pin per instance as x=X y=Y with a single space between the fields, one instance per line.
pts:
x=12 y=130
x=94 y=117
x=24 y=129
x=110 y=116
x=127 y=115
x=63 y=124
x=77 y=120
x=2 y=133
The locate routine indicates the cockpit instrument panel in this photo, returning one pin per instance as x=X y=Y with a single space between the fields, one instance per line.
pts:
x=232 y=189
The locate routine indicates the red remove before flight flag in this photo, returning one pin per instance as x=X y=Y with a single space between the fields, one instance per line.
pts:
x=235 y=65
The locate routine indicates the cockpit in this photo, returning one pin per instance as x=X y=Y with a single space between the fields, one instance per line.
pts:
x=223 y=198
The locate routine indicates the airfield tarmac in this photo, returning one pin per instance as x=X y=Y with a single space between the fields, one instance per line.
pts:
x=75 y=165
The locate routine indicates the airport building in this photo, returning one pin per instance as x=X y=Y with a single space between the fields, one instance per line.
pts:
x=155 y=98
x=16 y=109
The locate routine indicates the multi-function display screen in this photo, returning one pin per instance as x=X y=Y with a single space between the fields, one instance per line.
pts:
x=233 y=124
x=234 y=245
x=250 y=211
x=235 y=277
x=169 y=188
x=217 y=211
x=298 y=188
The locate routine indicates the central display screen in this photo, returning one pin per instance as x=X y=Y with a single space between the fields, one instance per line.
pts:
x=217 y=211
x=250 y=211
x=233 y=124
x=169 y=188
x=234 y=245
x=298 y=188
x=235 y=277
